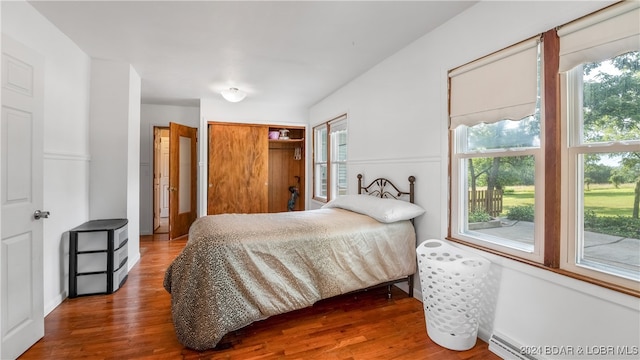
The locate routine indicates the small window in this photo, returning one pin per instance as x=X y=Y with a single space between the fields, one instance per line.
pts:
x=330 y=159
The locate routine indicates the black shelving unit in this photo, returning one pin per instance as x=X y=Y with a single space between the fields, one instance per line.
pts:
x=98 y=255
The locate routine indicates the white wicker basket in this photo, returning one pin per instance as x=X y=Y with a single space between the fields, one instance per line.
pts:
x=451 y=281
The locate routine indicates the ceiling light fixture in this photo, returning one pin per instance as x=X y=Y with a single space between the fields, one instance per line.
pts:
x=233 y=94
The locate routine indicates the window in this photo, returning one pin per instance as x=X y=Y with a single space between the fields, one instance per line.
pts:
x=600 y=67
x=320 y=162
x=604 y=163
x=330 y=159
x=497 y=183
x=569 y=171
x=338 y=141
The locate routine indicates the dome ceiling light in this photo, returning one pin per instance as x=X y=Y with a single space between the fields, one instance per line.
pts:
x=233 y=94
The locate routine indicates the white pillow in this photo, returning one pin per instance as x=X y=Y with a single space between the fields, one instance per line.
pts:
x=381 y=209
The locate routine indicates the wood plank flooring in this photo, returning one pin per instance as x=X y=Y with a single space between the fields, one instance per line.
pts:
x=135 y=323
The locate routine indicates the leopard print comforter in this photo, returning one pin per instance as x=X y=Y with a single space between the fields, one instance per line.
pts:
x=240 y=268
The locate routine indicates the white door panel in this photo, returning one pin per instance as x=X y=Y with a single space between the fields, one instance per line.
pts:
x=17 y=250
x=21 y=290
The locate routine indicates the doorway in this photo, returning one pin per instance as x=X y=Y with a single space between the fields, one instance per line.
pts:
x=161 y=141
x=174 y=179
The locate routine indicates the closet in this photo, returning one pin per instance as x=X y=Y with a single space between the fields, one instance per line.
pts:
x=255 y=168
x=286 y=170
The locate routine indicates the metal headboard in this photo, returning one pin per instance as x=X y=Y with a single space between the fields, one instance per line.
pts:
x=384 y=188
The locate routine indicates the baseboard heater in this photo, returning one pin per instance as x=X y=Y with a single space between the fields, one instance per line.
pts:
x=506 y=349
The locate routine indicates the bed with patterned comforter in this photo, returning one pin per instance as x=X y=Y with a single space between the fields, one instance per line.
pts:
x=240 y=268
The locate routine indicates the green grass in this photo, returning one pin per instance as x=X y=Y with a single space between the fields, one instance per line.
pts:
x=521 y=195
x=609 y=201
x=603 y=199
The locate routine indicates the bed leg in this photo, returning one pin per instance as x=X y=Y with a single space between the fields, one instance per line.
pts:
x=410 y=283
x=388 y=291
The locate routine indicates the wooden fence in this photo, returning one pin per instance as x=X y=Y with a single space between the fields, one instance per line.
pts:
x=490 y=201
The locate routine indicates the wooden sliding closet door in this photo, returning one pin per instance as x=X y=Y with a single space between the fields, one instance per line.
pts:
x=238 y=168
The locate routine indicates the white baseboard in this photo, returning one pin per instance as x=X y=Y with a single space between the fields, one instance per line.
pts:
x=53 y=303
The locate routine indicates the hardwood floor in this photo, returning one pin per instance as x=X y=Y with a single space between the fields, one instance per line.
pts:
x=135 y=323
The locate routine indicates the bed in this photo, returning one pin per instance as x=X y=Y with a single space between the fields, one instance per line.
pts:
x=240 y=268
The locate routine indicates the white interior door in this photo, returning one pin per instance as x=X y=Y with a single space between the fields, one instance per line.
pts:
x=21 y=290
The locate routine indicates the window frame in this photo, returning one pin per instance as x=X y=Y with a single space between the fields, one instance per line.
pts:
x=329 y=156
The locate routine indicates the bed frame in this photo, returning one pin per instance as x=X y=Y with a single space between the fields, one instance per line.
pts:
x=378 y=188
x=384 y=188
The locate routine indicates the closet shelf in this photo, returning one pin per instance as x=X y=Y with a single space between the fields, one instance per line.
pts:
x=286 y=140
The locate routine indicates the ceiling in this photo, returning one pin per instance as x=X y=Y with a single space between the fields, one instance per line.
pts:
x=291 y=53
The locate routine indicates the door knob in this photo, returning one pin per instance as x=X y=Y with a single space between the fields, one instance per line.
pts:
x=41 y=214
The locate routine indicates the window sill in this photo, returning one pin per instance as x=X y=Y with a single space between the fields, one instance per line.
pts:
x=320 y=200
x=557 y=276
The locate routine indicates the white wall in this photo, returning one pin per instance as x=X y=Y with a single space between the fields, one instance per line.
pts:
x=109 y=140
x=398 y=127
x=150 y=117
x=114 y=190
x=133 y=167
x=66 y=137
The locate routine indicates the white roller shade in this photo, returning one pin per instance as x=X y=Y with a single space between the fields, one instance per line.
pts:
x=339 y=123
x=503 y=85
x=603 y=35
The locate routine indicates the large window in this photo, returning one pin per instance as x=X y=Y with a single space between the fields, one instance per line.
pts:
x=560 y=184
x=599 y=64
x=604 y=167
x=330 y=159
